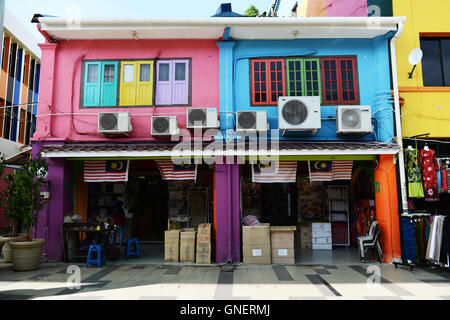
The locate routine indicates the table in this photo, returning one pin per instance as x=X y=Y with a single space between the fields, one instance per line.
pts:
x=79 y=228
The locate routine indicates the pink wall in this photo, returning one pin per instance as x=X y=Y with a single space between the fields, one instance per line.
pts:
x=61 y=81
x=346 y=8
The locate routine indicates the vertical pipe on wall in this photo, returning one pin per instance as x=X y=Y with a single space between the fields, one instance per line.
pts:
x=2 y=16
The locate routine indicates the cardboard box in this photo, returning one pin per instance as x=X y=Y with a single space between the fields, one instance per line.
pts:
x=203 y=254
x=256 y=244
x=320 y=227
x=282 y=243
x=321 y=246
x=172 y=245
x=322 y=240
x=204 y=233
x=187 y=246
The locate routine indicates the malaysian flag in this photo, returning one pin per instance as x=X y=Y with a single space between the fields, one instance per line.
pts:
x=330 y=170
x=275 y=171
x=172 y=171
x=106 y=170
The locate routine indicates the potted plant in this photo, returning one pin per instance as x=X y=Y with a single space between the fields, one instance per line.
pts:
x=23 y=201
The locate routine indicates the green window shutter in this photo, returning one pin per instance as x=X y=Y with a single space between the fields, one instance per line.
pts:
x=91 y=93
x=294 y=79
x=311 y=72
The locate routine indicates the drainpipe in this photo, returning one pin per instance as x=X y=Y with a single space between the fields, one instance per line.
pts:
x=398 y=124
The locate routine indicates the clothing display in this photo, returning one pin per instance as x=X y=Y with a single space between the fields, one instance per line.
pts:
x=408 y=243
x=415 y=188
x=429 y=167
x=438 y=248
x=444 y=172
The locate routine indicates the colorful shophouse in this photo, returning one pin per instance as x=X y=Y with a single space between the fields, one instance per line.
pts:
x=19 y=87
x=235 y=69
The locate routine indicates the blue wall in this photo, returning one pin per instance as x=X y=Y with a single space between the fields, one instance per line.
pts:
x=373 y=75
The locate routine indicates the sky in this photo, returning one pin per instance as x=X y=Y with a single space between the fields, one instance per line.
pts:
x=25 y=9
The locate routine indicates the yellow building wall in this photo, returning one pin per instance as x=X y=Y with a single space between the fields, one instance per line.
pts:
x=312 y=8
x=426 y=109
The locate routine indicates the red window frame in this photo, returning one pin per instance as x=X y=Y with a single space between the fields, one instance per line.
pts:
x=268 y=70
x=342 y=82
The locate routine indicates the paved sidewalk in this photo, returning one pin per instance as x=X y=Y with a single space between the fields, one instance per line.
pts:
x=243 y=282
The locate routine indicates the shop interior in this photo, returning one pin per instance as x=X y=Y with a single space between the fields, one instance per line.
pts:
x=349 y=205
x=150 y=204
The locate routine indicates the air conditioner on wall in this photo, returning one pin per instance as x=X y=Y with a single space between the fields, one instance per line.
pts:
x=114 y=123
x=202 y=118
x=299 y=114
x=354 y=120
x=164 y=126
x=251 y=121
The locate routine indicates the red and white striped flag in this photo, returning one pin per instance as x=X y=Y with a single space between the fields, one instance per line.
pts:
x=342 y=170
x=106 y=170
x=330 y=170
x=275 y=172
x=172 y=171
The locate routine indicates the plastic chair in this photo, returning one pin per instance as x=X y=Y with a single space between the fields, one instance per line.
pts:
x=373 y=244
x=99 y=255
x=129 y=252
x=368 y=237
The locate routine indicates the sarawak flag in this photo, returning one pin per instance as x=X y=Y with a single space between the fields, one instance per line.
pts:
x=275 y=172
x=106 y=170
x=330 y=170
x=172 y=171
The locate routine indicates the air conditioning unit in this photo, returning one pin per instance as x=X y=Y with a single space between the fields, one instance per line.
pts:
x=202 y=118
x=299 y=114
x=251 y=121
x=164 y=126
x=114 y=123
x=354 y=120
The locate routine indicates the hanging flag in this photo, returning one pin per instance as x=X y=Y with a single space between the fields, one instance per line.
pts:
x=172 y=171
x=274 y=172
x=320 y=171
x=342 y=170
x=106 y=170
x=330 y=170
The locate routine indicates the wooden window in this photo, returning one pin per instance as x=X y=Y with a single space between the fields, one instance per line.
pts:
x=303 y=77
x=267 y=81
x=100 y=84
x=339 y=80
x=172 y=82
x=136 y=85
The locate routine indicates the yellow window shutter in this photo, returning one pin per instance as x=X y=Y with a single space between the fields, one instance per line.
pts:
x=128 y=78
x=144 y=93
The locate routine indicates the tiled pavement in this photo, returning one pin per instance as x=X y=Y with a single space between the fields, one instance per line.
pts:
x=243 y=282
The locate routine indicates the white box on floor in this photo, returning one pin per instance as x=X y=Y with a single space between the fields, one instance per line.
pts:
x=322 y=240
x=322 y=246
x=320 y=227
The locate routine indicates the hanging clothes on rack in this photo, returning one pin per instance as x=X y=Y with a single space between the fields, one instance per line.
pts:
x=415 y=188
x=429 y=166
x=444 y=169
x=408 y=243
x=435 y=243
x=445 y=243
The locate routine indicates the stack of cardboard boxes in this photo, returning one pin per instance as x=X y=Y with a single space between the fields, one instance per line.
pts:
x=188 y=245
x=305 y=237
x=321 y=236
x=282 y=242
x=204 y=243
x=256 y=244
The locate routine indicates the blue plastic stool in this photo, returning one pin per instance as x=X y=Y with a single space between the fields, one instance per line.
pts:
x=132 y=253
x=99 y=255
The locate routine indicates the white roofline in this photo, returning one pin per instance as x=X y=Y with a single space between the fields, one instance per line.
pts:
x=94 y=28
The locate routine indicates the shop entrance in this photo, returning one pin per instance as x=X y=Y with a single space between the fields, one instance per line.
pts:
x=347 y=206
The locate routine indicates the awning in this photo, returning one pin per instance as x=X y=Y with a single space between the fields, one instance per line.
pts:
x=19 y=158
x=291 y=150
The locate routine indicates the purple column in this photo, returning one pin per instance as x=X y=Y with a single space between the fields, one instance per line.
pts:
x=51 y=218
x=228 y=245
